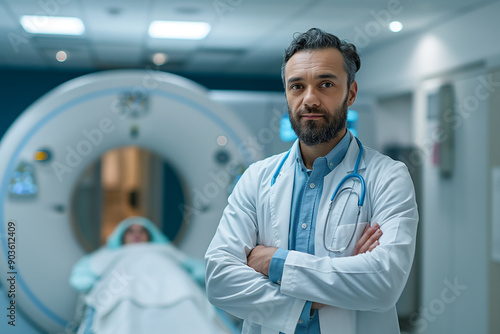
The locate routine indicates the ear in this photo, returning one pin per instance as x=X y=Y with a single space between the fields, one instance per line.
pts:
x=353 y=91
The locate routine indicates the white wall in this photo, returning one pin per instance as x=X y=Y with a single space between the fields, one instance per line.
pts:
x=394 y=114
x=455 y=226
x=454 y=220
x=494 y=156
x=461 y=41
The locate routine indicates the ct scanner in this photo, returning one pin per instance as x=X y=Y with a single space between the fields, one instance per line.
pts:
x=70 y=128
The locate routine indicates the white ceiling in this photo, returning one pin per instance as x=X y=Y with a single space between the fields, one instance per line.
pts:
x=247 y=37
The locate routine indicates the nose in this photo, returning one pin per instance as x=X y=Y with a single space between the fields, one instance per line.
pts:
x=311 y=98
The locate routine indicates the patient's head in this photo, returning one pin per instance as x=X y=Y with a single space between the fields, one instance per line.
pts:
x=135 y=233
x=133 y=230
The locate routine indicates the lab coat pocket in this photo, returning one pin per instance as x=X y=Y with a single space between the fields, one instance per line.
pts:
x=342 y=237
x=343 y=227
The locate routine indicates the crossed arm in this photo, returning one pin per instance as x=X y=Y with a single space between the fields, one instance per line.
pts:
x=260 y=257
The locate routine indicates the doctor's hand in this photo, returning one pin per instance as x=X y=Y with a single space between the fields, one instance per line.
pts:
x=317 y=306
x=369 y=239
x=260 y=257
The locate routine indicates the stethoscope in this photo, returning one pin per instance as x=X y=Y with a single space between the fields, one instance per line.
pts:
x=361 y=198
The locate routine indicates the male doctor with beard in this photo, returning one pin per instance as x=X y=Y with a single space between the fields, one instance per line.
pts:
x=290 y=254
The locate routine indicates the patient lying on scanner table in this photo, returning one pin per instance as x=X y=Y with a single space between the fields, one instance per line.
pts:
x=139 y=283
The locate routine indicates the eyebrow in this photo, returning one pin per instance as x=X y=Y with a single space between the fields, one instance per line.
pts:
x=321 y=76
x=327 y=76
x=293 y=79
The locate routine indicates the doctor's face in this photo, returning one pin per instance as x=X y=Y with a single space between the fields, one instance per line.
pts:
x=135 y=233
x=317 y=95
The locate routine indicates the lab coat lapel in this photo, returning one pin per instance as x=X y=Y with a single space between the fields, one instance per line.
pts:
x=280 y=199
x=352 y=156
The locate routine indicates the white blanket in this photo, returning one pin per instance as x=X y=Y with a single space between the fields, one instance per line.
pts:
x=143 y=289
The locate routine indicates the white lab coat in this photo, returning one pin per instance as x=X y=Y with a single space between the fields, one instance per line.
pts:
x=362 y=290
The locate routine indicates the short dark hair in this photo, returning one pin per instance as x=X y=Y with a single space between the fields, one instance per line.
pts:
x=315 y=39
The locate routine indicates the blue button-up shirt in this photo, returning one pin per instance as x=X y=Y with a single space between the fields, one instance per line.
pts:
x=307 y=190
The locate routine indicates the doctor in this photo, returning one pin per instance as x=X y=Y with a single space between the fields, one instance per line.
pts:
x=283 y=257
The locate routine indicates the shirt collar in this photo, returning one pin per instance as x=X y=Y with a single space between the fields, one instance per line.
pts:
x=333 y=158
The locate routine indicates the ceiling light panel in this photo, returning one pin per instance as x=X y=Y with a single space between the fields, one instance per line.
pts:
x=179 y=29
x=52 y=25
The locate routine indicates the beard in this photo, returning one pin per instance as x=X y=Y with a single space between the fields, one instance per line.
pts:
x=310 y=132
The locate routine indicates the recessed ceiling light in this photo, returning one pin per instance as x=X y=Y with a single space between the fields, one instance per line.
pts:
x=54 y=25
x=160 y=58
x=396 y=26
x=179 y=29
x=222 y=140
x=61 y=56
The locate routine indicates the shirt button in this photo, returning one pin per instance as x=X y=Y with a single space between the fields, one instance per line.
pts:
x=300 y=322
x=312 y=186
x=279 y=282
x=304 y=226
x=331 y=164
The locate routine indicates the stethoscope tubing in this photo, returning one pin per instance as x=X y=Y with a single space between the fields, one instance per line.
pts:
x=352 y=175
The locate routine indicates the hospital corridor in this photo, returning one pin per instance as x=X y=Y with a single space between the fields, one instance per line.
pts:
x=236 y=166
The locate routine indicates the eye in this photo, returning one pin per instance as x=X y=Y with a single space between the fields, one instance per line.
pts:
x=327 y=84
x=295 y=86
